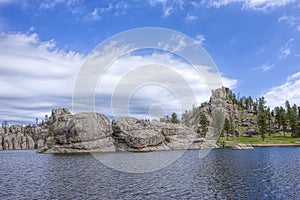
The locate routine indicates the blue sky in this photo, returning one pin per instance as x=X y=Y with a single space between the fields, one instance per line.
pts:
x=254 y=43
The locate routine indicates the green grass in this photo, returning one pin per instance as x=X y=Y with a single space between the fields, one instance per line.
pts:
x=256 y=139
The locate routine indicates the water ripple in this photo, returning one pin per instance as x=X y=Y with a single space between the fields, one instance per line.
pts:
x=264 y=173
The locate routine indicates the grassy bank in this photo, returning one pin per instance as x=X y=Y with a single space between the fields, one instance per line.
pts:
x=257 y=140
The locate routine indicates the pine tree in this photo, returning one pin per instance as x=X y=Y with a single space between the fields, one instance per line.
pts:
x=174 y=118
x=269 y=116
x=5 y=126
x=294 y=121
x=204 y=123
x=227 y=127
x=284 y=120
x=288 y=111
x=262 y=118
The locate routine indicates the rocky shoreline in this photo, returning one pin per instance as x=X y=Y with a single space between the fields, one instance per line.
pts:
x=93 y=132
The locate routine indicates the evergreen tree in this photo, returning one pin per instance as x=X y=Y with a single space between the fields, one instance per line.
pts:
x=277 y=116
x=174 y=118
x=227 y=127
x=262 y=117
x=242 y=102
x=284 y=120
x=46 y=119
x=294 y=121
x=269 y=116
x=288 y=111
x=5 y=126
x=281 y=118
x=255 y=107
x=204 y=123
x=248 y=103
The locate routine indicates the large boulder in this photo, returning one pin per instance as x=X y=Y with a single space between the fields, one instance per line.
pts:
x=82 y=132
x=136 y=133
x=177 y=136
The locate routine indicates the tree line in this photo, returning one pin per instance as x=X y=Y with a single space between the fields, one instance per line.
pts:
x=38 y=122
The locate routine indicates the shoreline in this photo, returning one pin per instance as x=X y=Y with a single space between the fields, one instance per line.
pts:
x=276 y=145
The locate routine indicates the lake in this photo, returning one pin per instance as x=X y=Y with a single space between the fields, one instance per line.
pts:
x=262 y=173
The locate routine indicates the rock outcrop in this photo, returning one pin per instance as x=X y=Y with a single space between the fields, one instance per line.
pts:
x=82 y=132
x=222 y=104
x=219 y=107
x=16 y=137
x=92 y=132
x=132 y=134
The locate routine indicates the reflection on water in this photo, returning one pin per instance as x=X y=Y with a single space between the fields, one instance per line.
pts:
x=264 y=173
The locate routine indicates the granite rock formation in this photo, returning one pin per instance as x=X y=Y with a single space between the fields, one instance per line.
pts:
x=220 y=106
x=132 y=134
x=92 y=132
x=82 y=132
x=18 y=137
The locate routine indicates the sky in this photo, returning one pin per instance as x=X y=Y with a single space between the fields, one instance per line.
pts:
x=255 y=45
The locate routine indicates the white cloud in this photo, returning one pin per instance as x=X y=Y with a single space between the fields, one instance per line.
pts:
x=285 y=51
x=120 y=7
x=229 y=82
x=264 y=67
x=94 y=16
x=176 y=43
x=35 y=76
x=190 y=17
x=200 y=39
x=265 y=5
x=218 y=3
x=51 y=4
x=259 y=5
x=292 y=21
x=130 y=72
x=168 y=6
x=289 y=90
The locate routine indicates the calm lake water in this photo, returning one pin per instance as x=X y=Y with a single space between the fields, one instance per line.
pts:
x=263 y=173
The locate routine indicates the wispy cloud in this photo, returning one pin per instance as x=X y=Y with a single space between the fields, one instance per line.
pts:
x=217 y=3
x=35 y=76
x=292 y=21
x=200 y=39
x=51 y=4
x=287 y=91
x=189 y=17
x=168 y=6
x=265 y=5
x=130 y=71
x=264 y=67
x=258 y=5
x=285 y=51
x=229 y=82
